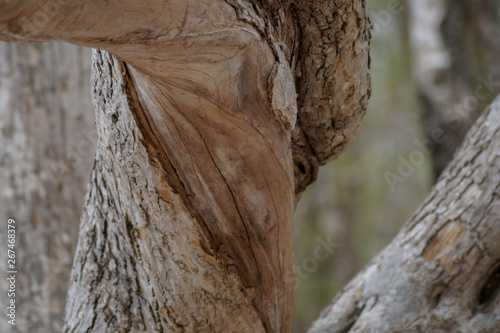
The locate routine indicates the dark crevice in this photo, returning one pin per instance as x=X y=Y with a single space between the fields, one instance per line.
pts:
x=490 y=288
x=351 y=319
x=436 y=300
x=94 y=318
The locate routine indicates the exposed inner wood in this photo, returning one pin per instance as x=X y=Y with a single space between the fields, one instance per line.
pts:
x=238 y=102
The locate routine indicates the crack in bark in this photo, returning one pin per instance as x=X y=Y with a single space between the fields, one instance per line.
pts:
x=152 y=143
x=491 y=287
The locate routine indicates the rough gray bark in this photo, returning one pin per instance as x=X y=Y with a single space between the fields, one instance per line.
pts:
x=46 y=151
x=441 y=273
x=456 y=52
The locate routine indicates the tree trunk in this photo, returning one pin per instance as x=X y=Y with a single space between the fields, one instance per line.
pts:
x=144 y=262
x=204 y=148
x=47 y=136
x=441 y=273
x=456 y=52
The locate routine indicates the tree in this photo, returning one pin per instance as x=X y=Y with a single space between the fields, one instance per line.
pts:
x=188 y=222
x=212 y=118
x=455 y=51
x=47 y=134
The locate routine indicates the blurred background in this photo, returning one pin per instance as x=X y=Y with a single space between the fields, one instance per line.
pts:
x=435 y=66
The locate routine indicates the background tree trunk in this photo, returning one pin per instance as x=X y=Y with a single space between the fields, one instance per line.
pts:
x=47 y=145
x=441 y=273
x=456 y=52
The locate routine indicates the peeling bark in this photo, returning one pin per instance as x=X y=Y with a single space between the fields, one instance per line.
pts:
x=441 y=272
x=47 y=146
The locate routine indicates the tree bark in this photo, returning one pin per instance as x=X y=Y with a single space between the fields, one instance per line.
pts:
x=455 y=49
x=47 y=136
x=144 y=262
x=441 y=272
x=204 y=148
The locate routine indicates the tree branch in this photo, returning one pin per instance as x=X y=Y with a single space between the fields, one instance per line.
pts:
x=325 y=43
x=441 y=272
x=90 y=23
